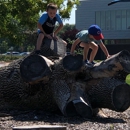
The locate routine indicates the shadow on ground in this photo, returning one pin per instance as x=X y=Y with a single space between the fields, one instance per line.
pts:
x=54 y=117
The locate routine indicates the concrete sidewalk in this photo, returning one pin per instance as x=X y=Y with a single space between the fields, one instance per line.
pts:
x=2 y=63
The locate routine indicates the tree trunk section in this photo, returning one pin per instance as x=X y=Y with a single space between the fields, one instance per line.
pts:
x=113 y=66
x=109 y=93
x=71 y=87
x=35 y=68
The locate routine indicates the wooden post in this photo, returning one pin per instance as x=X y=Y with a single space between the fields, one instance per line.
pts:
x=40 y=127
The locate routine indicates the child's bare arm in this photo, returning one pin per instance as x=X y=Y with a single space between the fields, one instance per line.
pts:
x=58 y=29
x=74 y=45
x=104 y=49
x=40 y=27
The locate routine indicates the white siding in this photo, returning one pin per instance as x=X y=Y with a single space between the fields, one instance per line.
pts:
x=85 y=16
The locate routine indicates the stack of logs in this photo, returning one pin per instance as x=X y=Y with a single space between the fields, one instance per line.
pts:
x=50 y=82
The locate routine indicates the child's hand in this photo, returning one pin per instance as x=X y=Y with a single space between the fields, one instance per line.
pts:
x=109 y=56
x=48 y=36
x=72 y=53
x=55 y=37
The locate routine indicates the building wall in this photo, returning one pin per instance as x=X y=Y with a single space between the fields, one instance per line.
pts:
x=85 y=16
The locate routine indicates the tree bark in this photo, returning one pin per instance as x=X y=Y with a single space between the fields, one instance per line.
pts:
x=109 y=93
x=71 y=87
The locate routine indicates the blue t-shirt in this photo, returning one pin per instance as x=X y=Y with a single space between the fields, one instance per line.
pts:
x=84 y=37
x=47 y=22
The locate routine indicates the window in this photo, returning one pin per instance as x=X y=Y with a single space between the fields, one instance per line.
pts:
x=113 y=20
x=98 y=17
x=102 y=18
x=128 y=19
x=123 y=20
x=108 y=20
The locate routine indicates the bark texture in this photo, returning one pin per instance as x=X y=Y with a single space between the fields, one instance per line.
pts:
x=54 y=83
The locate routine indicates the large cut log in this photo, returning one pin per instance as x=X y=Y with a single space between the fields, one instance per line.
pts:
x=15 y=93
x=71 y=99
x=109 y=93
x=35 y=68
x=112 y=93
x=118 y=66
x=76 y=92
x=113 y=66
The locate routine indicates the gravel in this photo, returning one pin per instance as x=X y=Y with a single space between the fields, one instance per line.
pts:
x=113 y=121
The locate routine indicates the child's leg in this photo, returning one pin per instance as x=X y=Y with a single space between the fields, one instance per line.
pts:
x=94 y=48
x=86 y=49
x=39 y=41
x=74 y=45
x=64 y=42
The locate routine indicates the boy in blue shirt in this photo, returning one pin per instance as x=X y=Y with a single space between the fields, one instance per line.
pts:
x=46 y=25
x=90 y=38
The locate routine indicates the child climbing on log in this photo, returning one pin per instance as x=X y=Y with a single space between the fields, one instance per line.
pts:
x=46 y=25
x=90 y=38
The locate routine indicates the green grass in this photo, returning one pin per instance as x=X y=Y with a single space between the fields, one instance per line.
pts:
x=8 y=58
x=128 y=79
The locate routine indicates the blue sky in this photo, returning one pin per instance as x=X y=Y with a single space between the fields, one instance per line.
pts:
x=72 y=18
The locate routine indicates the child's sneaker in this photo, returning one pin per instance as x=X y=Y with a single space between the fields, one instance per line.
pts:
x=37 y=52
x=87 y=63
x=93 y=62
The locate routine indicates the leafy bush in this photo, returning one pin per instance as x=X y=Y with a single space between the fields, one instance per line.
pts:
x=128 y=79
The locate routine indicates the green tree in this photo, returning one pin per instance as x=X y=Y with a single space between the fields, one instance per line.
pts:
x=66 y=28
x=68 y=33
x=20 y=16
x=3 y=46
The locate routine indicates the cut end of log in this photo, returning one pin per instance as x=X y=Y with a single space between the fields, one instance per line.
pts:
x=79 y=107
x=121 y=97
x=72 y=63
x=34 y=68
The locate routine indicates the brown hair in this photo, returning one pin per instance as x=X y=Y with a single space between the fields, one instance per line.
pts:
x=51 y=6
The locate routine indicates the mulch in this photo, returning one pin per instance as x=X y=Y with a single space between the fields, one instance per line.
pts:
x=113 y=121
